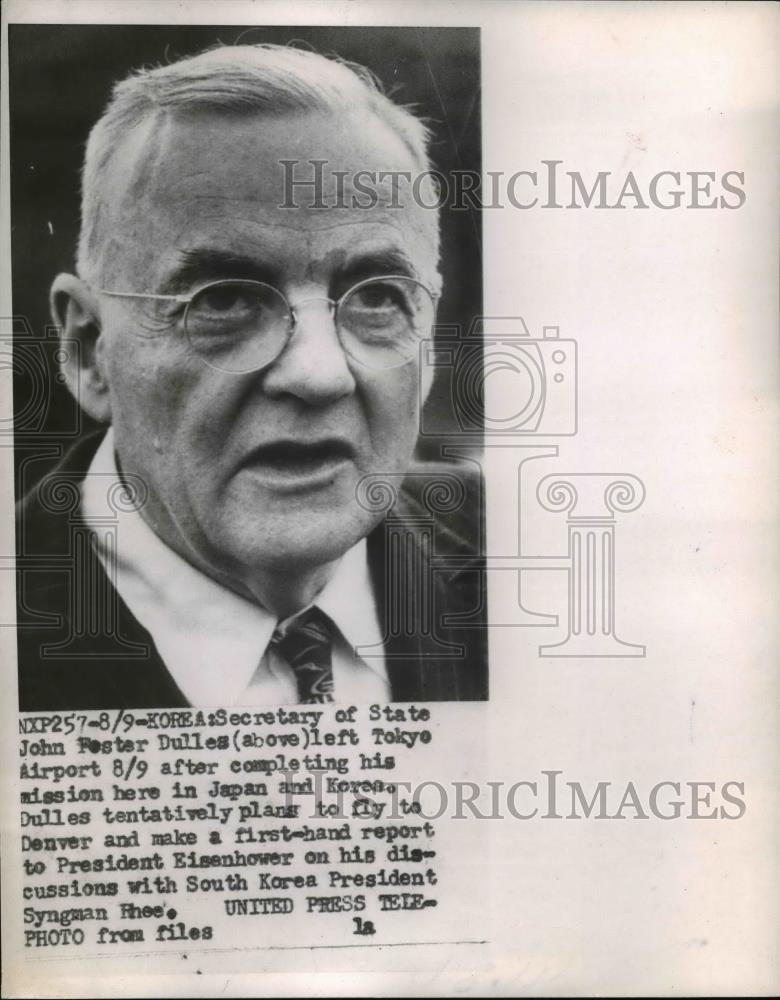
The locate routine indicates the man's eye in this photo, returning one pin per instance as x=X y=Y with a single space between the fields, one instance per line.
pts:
x=225 y=300
x=377 y=298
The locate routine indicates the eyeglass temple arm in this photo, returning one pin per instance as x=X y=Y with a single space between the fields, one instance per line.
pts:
x=143 y=295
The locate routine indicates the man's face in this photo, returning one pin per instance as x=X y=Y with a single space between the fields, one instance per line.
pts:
x=234 y=482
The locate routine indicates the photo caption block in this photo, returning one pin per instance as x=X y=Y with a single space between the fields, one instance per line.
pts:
x=158 y=830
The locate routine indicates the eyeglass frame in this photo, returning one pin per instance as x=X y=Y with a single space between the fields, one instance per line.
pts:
x=186 y=300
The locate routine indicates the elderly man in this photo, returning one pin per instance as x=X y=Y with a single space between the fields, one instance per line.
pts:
x=253 y=362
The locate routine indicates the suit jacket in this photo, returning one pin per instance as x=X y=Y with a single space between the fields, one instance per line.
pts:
x=80 y=647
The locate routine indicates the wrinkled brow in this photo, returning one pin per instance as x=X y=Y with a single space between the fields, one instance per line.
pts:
x=206 y=264
x=199 y=265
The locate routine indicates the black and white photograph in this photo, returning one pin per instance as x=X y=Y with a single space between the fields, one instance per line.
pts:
x=217 y=535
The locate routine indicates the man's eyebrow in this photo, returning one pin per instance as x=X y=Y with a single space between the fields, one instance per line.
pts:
x=378 y=262
x=208 y=264
x=204 y=264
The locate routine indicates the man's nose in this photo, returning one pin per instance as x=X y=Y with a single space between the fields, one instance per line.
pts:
x=313 y=366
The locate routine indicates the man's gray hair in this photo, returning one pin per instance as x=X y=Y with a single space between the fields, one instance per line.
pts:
x=268 y=79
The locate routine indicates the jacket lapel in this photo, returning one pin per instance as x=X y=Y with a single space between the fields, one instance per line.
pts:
x=79 y=645
x=425 y=578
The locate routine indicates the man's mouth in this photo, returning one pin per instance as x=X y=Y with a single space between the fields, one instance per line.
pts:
x=300 y=463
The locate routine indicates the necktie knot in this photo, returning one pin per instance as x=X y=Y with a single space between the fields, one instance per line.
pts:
x=305 y=643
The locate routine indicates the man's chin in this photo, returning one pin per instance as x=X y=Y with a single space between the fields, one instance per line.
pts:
x=298 y=542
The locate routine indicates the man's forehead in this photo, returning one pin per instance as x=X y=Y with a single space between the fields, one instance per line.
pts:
x=210 y=180
x=305 y=160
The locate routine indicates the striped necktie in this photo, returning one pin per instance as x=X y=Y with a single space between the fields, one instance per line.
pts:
x=305 y=643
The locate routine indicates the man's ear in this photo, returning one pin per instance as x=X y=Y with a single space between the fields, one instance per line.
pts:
x=75 y=313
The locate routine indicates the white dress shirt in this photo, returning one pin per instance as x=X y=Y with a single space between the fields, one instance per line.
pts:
x=213 y=641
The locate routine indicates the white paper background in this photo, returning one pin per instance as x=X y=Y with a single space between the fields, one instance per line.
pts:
x=675 y=316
